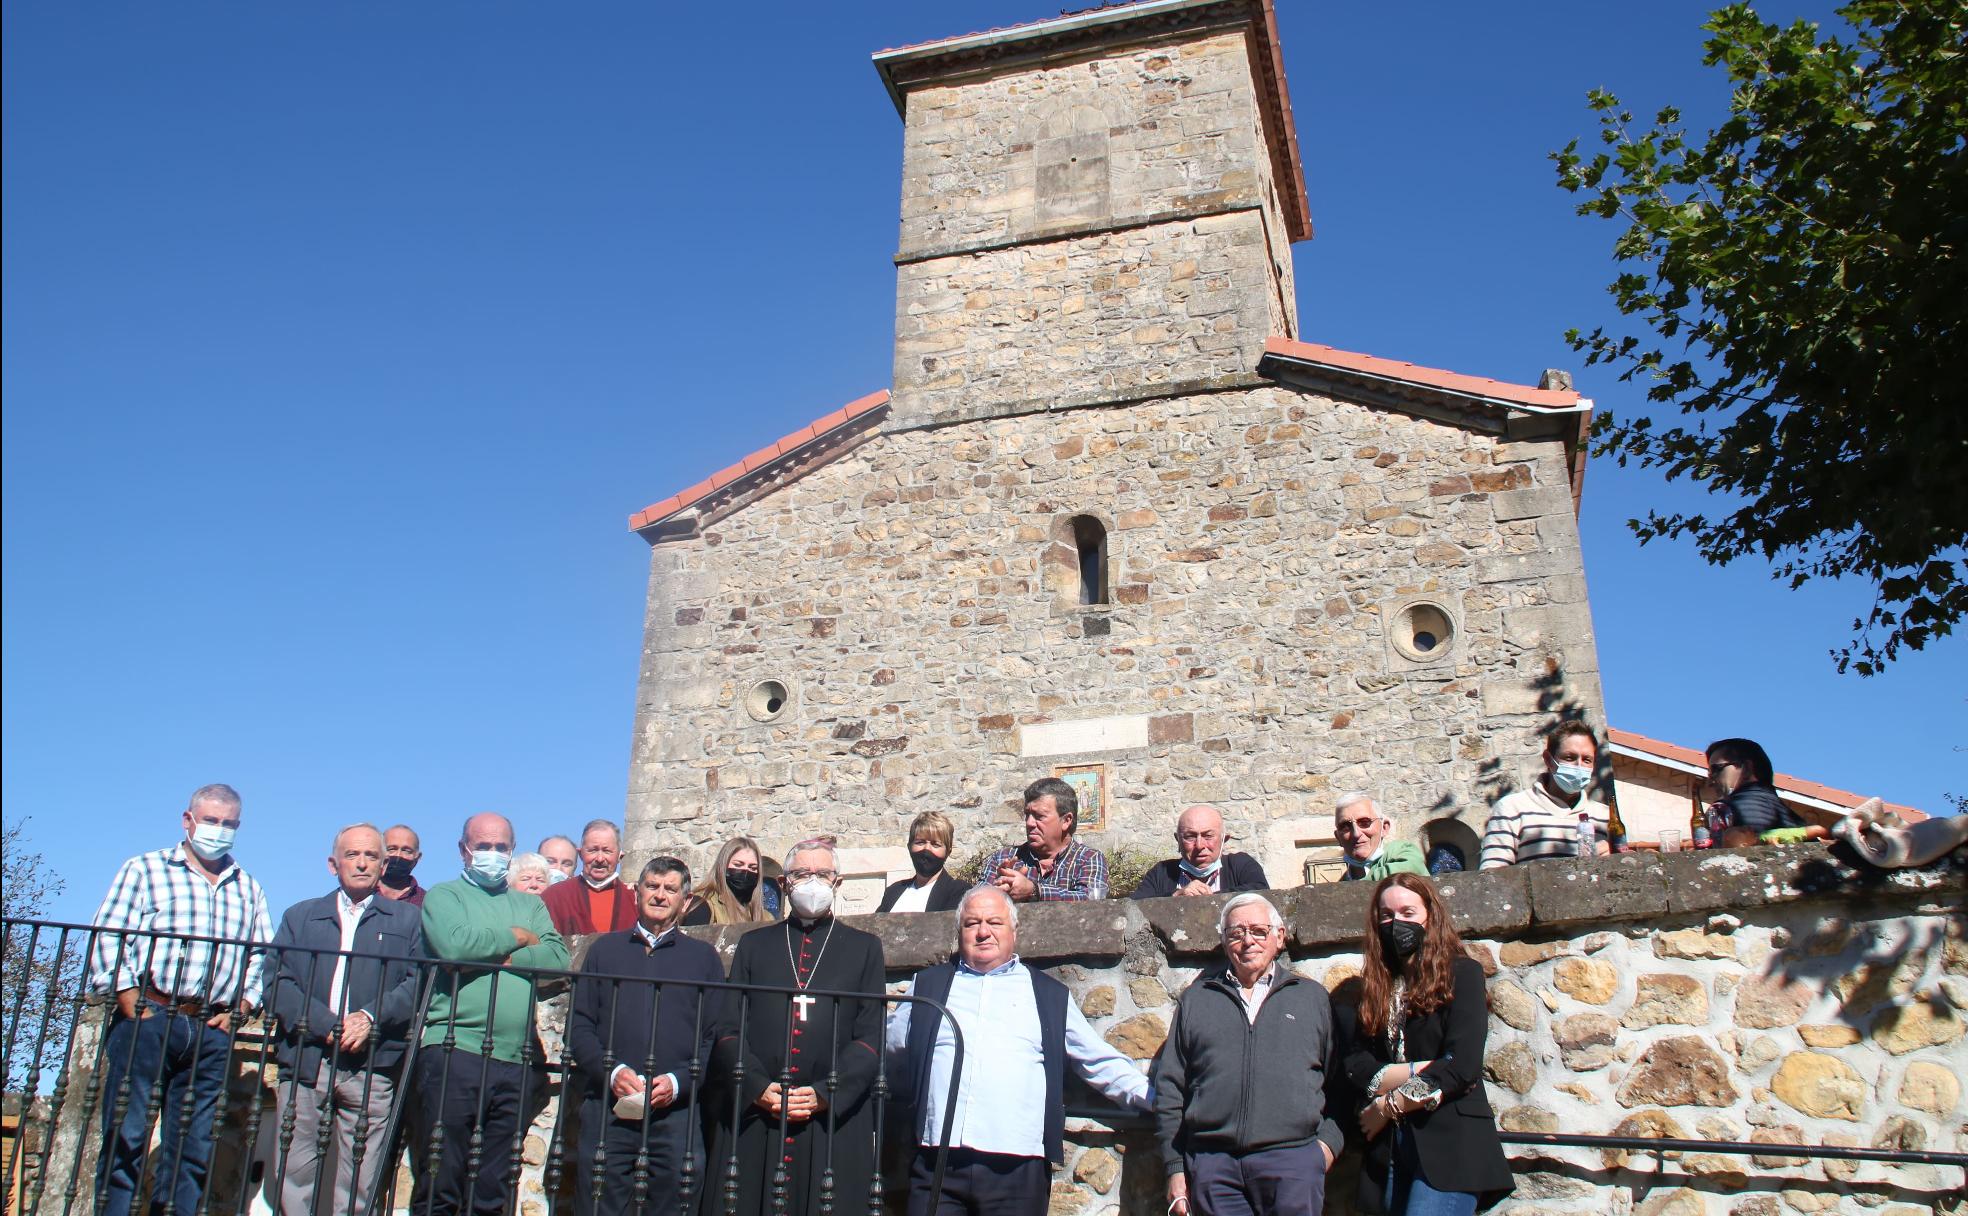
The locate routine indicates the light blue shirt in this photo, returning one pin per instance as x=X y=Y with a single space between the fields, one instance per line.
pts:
x=1000 y=1104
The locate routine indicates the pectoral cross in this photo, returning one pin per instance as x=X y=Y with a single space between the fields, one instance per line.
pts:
x=803 y=1001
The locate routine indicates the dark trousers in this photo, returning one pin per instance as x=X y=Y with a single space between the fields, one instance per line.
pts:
x=1269 y=1182
x=186 y=1060
x=620 y=1142
x=458 y=1092
x=980 y=1184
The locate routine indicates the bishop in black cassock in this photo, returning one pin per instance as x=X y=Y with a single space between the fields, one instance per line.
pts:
x=798 y=1042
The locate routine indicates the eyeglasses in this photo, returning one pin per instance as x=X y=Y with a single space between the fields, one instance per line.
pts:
x=1715 y=770
x=799 y=876
x=1248 y=933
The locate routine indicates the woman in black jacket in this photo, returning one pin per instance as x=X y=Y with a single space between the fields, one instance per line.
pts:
x=1413 y=1049
x=932 y=889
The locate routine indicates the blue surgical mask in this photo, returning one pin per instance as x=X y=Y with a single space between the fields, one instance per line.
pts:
x=488 y=868
x=1200 y=872
x=211 y=842
x=1361 y=863
x=1571 y=778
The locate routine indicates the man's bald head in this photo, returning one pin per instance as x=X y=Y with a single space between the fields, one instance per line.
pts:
x=1199 y=835
x=486 y=830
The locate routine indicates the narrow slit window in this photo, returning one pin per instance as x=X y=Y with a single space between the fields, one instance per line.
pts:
x=1091 y=539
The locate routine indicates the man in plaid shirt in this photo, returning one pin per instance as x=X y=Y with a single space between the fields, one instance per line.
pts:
x=176 y=1000
x=1050 y=864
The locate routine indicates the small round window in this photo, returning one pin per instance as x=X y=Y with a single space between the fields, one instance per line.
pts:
x=1422 y=633
x=767 y=700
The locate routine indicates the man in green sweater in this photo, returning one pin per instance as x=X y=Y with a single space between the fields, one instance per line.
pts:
x=471 y=1076
x=1367 y=836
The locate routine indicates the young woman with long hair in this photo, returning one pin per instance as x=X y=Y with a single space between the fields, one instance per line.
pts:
x=1413 y=1049
x=732 y=892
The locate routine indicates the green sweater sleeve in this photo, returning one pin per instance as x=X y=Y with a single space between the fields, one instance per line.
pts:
x=458 y=930
x=551 y=954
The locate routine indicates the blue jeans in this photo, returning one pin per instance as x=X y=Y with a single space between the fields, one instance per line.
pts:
x=185 y=1060
x=1408 y=1193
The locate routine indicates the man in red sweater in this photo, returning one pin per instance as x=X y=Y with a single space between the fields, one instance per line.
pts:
x=598 y=901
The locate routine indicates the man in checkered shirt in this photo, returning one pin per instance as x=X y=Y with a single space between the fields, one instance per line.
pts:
x=176 y=1000
x=1050 y=864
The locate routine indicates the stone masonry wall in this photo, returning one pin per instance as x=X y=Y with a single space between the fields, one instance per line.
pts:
x=1770 y=996
x=1107 y=138
x=1124 y=314
x=916 y=601
x=1087 y=229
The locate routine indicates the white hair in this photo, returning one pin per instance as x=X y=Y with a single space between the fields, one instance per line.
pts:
x=985 y=888
x=815 y=844
x=335 y=845
x=530 y=861
x=1352 y=796
x=1244 y=901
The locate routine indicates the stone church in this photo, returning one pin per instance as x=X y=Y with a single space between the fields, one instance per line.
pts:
x=1115 y=518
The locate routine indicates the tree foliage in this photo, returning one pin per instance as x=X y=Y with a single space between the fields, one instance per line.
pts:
x=40 y=973
x=1800 y=272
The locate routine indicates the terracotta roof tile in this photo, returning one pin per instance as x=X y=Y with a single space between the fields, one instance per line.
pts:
x=659 y=511
x=1426 y=377
x=1785 y=782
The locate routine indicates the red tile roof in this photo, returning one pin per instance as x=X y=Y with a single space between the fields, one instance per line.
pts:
x=853 y=412
x=1785 y=782
x=1497 y=391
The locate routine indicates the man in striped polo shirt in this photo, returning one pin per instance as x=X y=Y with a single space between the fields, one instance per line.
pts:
x=1543 y=822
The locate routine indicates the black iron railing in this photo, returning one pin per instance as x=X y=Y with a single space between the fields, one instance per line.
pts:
x=94 y=1068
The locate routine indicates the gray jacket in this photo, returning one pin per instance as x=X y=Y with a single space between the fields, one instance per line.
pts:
x=1226 y=1084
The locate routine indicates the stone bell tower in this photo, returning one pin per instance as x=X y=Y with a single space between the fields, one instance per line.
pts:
x=1095 y=209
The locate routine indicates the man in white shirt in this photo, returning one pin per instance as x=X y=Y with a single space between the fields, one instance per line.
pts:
x=343 y=1023
x=1020 y=1030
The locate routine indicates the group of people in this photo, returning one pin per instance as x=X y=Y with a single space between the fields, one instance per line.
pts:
x=345 y=980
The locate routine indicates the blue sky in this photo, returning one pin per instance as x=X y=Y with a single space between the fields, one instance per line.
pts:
x=340 y=340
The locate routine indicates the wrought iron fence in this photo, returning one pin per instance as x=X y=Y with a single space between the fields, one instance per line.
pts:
x=117 y=1103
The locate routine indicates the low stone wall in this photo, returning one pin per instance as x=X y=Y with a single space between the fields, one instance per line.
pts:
x=1769 y=995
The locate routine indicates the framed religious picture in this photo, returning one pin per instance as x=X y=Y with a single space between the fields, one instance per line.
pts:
x=1089 y=782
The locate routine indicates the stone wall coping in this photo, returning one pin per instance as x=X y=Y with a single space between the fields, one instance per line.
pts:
x=1542 y=899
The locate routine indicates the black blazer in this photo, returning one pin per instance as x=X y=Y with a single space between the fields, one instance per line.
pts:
x=311 y=933
x=1457 y=1142
x=944 y=894
x=1240 y=873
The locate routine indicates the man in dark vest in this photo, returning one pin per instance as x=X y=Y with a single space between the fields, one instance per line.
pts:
x=1020 y=1031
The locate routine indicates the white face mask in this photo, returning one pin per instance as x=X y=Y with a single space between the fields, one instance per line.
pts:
x=488 y=868
x=1571 y=778
x=554 y=879
x=211 y=842
x=813 y=898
